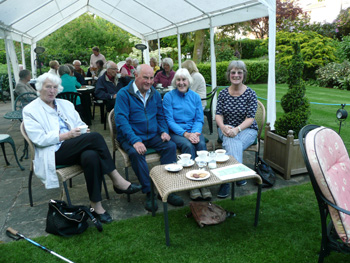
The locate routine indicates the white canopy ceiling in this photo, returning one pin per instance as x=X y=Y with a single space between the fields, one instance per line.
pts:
x=28 y=21
x=32 y=20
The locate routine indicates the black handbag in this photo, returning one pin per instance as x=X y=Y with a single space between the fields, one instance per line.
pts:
x=67 y=220
x=266 y=173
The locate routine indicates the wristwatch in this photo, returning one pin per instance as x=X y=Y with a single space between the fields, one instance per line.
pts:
x=239 y=128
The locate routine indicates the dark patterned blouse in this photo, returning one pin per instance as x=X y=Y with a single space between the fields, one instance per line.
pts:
x=236 y=109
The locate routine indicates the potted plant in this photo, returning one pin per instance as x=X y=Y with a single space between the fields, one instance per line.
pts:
x=281 y=146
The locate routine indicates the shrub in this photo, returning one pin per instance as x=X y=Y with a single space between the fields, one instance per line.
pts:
x=334 y=75
x=296 y=107
x=344 y=49
x=316 y=50
x=257 y=72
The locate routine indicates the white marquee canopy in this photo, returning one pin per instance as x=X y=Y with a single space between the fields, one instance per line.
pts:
x=31 y=20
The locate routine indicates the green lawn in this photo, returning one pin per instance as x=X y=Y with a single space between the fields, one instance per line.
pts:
x=288 y=231
x=320 y=114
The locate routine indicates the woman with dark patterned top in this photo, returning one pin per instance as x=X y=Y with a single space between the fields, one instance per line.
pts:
x=235 y=113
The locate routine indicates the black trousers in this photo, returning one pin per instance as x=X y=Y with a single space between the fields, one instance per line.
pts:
x=91 y=152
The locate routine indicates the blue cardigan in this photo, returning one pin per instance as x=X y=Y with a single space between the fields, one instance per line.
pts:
x=134 y=121
x=183 y=112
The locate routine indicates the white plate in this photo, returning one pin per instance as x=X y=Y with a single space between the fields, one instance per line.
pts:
x=222 y=160
x=173 y=167
x=189 y=175
x=188 y=165
x=86 y=88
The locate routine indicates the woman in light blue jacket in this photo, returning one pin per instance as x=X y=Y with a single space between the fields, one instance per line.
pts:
x=53 y=126
x=183 y=112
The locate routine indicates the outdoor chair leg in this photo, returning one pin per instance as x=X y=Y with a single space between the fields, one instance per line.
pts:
x=14 y=152
x=30 y=188
x=25 y=151
x=257 y=209
x=127 y=178
x=3 y=151
x=166 y=223
x=67 y=193
x=152 y=199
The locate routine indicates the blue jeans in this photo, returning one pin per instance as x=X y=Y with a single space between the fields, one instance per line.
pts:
x=167 y=150
x=185 y=146
x=236 y=145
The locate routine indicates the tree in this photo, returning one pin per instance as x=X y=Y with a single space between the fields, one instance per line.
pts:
x=75 y=40
x=289 y=17
x=199 y=38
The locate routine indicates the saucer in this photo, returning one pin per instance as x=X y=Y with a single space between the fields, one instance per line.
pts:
x=222 y=160
x=187 y=165
x=173 y=167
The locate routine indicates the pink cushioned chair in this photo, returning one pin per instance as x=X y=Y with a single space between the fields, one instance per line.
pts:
x=328 y=165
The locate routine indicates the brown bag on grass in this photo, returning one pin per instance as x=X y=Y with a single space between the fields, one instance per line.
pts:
x=207 y=213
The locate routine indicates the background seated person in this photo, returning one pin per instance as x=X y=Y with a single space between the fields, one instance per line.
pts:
x=108 y=85
x=165 y=76
x=154 y=64
x=136 y=133
x=199 y=86
x=79 y=72
x=135 y=63
x=54 y=65
x=70 y=83
x=127 y=69
x=23 y=86
x=235 y=113
x=96 y=55
x=184 y=115
x=100 y=70
x=53 y=126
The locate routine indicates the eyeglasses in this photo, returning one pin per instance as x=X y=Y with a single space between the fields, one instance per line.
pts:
x=236 y=72
x=113 y=68
x=51 y=87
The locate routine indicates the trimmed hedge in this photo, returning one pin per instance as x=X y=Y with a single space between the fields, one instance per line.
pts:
x=257 y=72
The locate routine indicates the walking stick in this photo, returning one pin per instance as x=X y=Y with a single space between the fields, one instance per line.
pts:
x=17 y=236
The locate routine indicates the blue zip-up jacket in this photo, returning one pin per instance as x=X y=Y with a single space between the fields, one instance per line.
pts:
x=136 y=123
x=183 y=112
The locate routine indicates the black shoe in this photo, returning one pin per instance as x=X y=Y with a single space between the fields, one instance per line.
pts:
x=133 y=188
x=104 y=218
x=175 y=200
x=224 y=191
x=241 y=183
x=148 y=204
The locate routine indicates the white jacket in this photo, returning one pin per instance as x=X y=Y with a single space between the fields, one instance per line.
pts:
x=41 y=123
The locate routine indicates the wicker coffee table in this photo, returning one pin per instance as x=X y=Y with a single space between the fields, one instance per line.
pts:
x=167 y=183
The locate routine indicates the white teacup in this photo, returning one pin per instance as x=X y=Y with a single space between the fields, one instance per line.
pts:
x=185 y=158
x=119 y=75
x=83 y=128
x=202 y=155
x=220 y=153
x=159 y=85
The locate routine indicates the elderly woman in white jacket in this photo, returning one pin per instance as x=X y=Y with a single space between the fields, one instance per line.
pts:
x=53 y=126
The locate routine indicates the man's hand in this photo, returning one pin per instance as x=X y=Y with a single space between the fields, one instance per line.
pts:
x=140 y=148
x=165 y=137
x=192 y=137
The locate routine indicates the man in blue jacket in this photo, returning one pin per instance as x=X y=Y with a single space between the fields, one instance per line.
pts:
x=108 y=85
x=140 y=125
